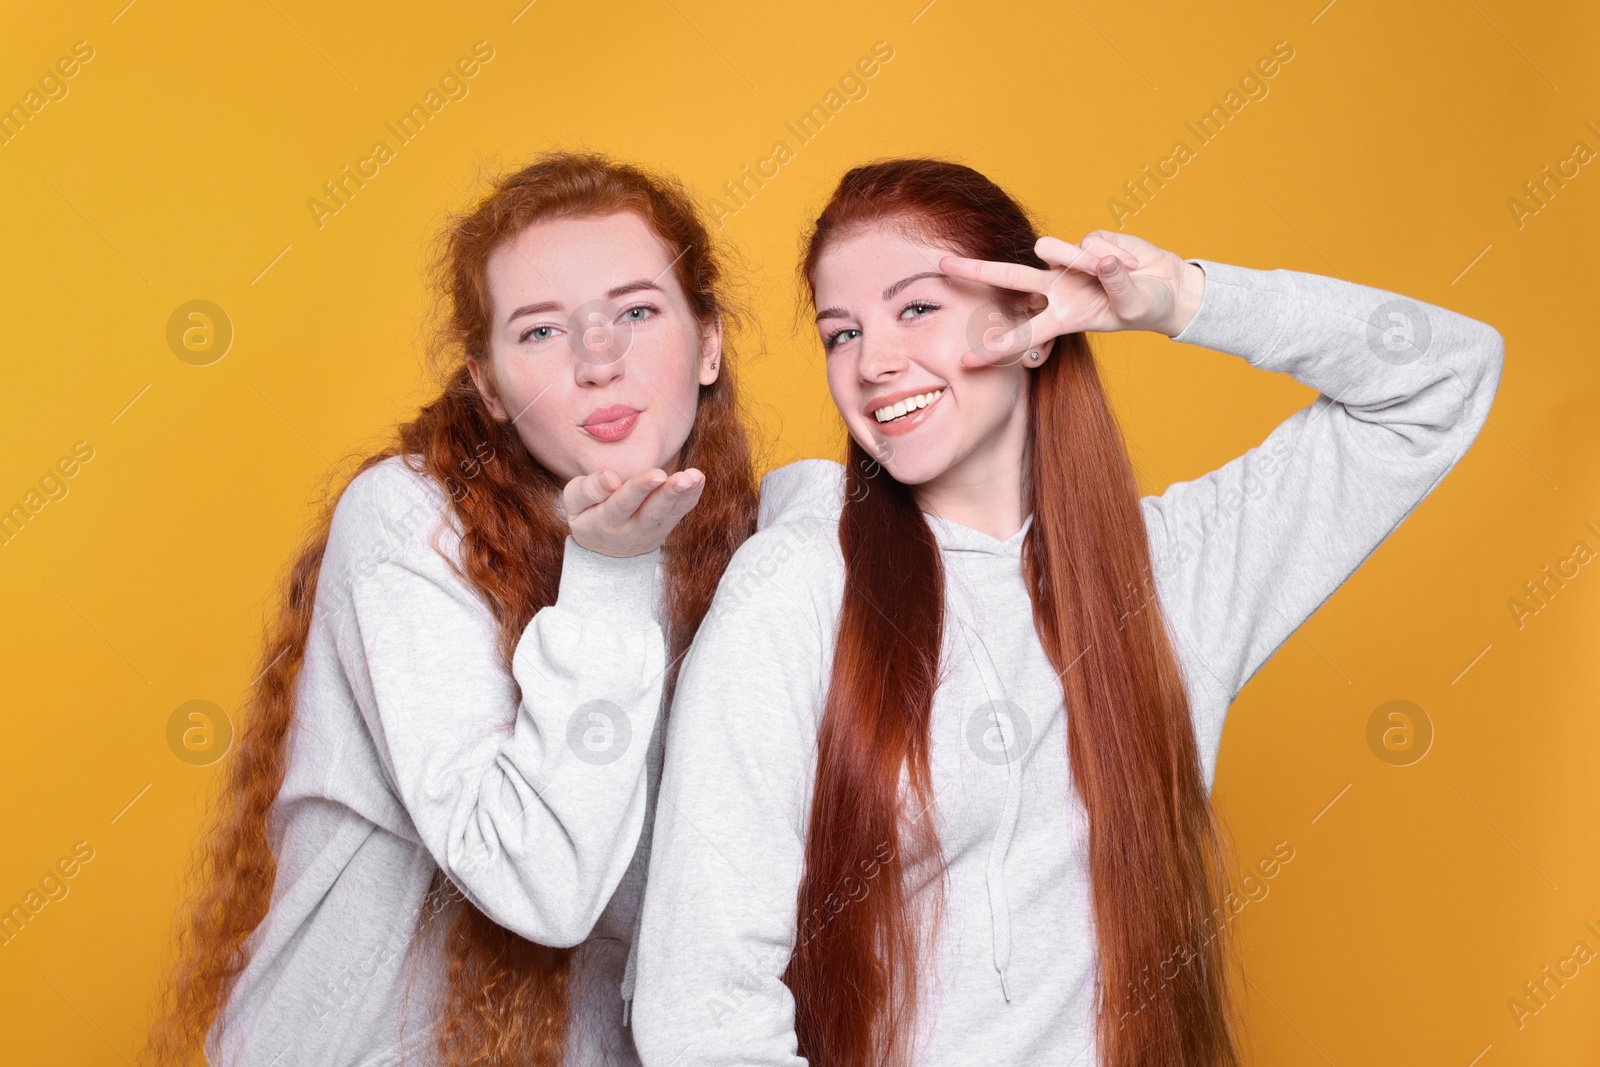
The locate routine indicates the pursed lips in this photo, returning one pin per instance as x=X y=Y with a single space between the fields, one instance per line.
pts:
x=611 y=423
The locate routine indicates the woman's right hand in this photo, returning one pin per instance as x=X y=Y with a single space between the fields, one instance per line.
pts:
x=1106 y=282
x=617 y=518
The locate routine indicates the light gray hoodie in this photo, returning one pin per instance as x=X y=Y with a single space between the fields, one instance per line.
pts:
x=413 y=750
x=1241 y=556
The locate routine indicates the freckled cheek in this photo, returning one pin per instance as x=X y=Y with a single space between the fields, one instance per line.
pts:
x=540 y=426
x=845 y=396
x=525 y=378
x=666 y=364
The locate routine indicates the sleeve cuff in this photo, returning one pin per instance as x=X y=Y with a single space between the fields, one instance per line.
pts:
x=1240 y=312
x=620 y=586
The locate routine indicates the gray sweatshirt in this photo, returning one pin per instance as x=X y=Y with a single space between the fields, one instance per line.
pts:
x=1241 y=557
x=414 y=750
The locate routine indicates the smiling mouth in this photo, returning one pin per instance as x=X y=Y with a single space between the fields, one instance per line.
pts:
x=909 y=405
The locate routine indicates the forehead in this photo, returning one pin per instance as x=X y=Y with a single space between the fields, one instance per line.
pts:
x=578 y=259
x=875 y=255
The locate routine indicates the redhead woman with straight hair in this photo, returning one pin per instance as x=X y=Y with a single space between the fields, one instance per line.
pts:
x=428 y=845
x=938 y=771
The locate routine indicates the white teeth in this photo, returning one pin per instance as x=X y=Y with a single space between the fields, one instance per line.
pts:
x=910 y=403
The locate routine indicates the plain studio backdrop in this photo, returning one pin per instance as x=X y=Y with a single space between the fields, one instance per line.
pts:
x=215 y=230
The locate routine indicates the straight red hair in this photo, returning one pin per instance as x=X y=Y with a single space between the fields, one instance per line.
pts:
x=1156 y=858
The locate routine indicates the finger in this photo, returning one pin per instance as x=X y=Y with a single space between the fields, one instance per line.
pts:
x=669 y=503
x=587 y=490
x=1120 y=290
x=1009 y=347
x=1016 y=276
x=626 y=500
x=1101 y=247
x=1125 y=244
x=1081 y=256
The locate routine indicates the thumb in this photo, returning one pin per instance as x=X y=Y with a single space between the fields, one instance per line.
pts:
x=587 y=490
x=1115 y=281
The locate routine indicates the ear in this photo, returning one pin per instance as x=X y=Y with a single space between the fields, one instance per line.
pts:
x=1035 y=303
x=483 y=378
x=1044 y=351
x=711 y=351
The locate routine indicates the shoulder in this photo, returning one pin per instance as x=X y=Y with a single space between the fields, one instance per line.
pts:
x=388 y=510
x=393 y=485
x=793 y=559
x=807 y=488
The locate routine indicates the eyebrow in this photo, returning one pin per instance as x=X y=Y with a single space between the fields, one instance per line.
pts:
x=532 y=309
x=642 y=285
x=888 y=294
x=634 y=287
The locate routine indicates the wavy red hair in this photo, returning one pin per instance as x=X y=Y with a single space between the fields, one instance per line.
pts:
x=1156 y=856
x=505 y=998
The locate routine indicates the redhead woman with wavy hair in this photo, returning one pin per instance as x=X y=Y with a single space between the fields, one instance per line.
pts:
x=428 y=846
x=938 y=772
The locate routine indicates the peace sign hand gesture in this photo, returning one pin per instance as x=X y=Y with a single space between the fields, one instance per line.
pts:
x=1106 y=282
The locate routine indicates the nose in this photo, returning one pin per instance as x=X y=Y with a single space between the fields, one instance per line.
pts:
x=598 y=350
x=879 y=360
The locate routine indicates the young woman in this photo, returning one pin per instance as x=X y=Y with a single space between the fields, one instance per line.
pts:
x=429 y=843
x=938 y=771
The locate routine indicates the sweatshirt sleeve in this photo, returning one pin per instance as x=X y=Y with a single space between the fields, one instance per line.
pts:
x=1244 y=555
x=528 y=789
x=729 y=839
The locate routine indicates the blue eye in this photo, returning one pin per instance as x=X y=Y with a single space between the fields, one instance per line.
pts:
x=539 y=333
x=638 y=314
x=921 y=307
x=838 y=336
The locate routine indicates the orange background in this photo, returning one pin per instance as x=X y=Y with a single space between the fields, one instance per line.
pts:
x=178 y=167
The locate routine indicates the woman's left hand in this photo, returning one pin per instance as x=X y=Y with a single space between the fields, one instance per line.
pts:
x=1106 y=282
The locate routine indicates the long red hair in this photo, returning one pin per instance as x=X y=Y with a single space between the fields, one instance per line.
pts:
x=505 y=998
x=1156 y=856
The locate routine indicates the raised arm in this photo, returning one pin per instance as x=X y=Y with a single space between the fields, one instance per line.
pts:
x=729 y=837
x=529 y=790
x=1245 y=554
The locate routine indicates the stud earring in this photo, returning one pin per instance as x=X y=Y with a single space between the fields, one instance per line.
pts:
x=1033 y=355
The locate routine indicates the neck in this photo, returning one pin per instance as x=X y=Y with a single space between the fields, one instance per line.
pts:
x=983 y=490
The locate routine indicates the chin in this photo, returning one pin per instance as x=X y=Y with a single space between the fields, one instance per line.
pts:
x=627 y=458
x=912 y=469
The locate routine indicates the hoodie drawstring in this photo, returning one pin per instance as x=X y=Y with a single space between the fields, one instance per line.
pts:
x=630 y=969
x=1011 y=807
x=995 y=874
